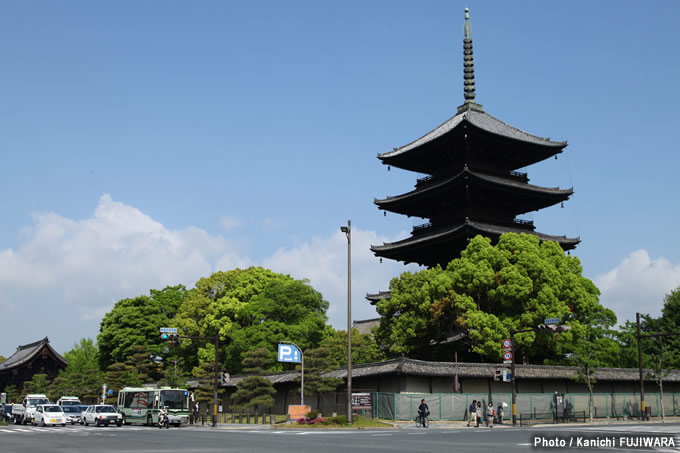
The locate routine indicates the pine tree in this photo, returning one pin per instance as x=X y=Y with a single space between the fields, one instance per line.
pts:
x=255 y=391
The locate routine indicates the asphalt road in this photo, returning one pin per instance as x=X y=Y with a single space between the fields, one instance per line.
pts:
x=252 y=439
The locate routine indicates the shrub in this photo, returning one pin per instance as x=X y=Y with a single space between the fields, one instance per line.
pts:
x=337 y=420
x=312 y=414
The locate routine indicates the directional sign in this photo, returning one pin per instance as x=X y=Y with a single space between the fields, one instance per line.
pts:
x=168 y=329
x=506 y=344
x=289 y=353
x=551 y=321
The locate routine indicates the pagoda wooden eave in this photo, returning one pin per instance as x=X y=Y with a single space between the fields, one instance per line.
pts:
x=433 y=244
x=26 y=353
x=415 y=202
x=526 y=148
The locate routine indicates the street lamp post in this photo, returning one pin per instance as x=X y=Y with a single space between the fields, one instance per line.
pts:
x=348 y=232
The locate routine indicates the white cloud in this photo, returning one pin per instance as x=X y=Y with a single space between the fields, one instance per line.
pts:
x=638 y=284
x=323 y=261
x=119 y=252
x=229 y=223
x=66 y=274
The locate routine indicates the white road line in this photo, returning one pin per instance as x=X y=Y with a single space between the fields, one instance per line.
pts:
x=379 y=435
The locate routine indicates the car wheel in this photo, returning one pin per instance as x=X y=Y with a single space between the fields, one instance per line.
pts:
x=96 y=422
x=86 y=423
x=119 y=424
x=64 y=424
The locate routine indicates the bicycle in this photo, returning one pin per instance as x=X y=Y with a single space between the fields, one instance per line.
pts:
x=422 y=420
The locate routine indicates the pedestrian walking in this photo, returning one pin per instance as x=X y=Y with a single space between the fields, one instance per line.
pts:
x=490 y=413
x=196 y=412
x=478 y=413
x=472 y=413
x=499 y=413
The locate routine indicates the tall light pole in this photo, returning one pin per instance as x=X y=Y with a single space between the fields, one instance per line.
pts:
x=348 y=232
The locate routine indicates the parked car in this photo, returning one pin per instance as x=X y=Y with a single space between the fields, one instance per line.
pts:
x=49 y=414
x=101 y=414
x=73 y=414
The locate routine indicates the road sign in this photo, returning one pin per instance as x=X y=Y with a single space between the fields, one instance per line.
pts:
x=551 y=321
x=507 y=357
x=289 y=353
x=506 y=375
x=507 y=344
x=168 y=329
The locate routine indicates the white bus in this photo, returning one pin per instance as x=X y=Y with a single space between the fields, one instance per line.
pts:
x=141 y=405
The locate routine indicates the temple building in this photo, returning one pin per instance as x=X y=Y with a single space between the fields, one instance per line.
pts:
x=472 y=185
x=29 y=359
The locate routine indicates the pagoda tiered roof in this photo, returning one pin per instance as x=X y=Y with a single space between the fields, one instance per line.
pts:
x=446 y=193
x=430 y=246
x=471 y=125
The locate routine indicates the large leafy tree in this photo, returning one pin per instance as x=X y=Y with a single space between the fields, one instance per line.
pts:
x=82 y=376
x=248 y=309
x=364 y=347
x=136 y=322
x=489 y=290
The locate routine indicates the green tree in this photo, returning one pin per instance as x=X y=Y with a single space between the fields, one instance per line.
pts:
x=486 y=292
x=205 y=372
x=136 y=321
x=38 y=384
x=248 y=309
x=364 y=347
x=82 y=376
x=12 y=393
x=2 y=358
x=255 y=391
x=317 y=362
x=590 y=348
x=118 y=376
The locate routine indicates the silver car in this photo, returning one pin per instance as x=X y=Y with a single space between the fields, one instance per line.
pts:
x=73 y=414
x=101 y=414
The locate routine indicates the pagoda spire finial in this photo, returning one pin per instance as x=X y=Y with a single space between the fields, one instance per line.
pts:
x=468 y=63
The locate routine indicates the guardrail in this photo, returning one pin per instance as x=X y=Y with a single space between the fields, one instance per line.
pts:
x=536 y=418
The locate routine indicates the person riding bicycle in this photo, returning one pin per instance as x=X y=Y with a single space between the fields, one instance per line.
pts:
x=423 y=411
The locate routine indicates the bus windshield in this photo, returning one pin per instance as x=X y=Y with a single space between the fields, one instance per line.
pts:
x=174 y=399
x=32 y=402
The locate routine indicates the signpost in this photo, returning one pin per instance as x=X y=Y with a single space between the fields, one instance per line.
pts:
x=168 y=329
x=293 y=354
x=548 y=321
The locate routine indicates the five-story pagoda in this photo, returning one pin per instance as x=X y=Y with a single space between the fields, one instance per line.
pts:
x=472 y=185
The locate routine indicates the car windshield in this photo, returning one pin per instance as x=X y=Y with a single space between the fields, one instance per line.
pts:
x=71 y=409
x=70 y=403
x=174 y=399
x=105 y=409
x=53 y=409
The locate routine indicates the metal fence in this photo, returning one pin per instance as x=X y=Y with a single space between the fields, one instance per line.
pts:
x=454 y=406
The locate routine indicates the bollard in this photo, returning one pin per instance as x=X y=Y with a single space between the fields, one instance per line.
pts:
x=240 y=418
x=248 y=419
x=272 y=419
x=202 y=419
x=233 y=417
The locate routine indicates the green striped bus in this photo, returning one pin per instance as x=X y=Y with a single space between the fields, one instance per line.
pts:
x=142 y=405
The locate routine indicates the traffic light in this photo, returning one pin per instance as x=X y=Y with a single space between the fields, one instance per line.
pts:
x=175 y=339
x=164 y=337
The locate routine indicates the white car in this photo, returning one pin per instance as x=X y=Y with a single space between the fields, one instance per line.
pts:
x=49 y=414
x=101 y=414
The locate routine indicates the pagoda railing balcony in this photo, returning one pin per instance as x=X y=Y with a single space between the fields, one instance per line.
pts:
x=525 y=224
x=423 y=181
x=418 y=229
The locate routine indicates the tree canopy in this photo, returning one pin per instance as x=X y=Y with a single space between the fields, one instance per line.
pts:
x=489 y=290
x=251 y=308
x=136 y=322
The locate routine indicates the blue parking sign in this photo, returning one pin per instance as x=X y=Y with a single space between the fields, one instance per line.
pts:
x=289 y=353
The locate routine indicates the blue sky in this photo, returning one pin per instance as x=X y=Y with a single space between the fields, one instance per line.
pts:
x=152 y=143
